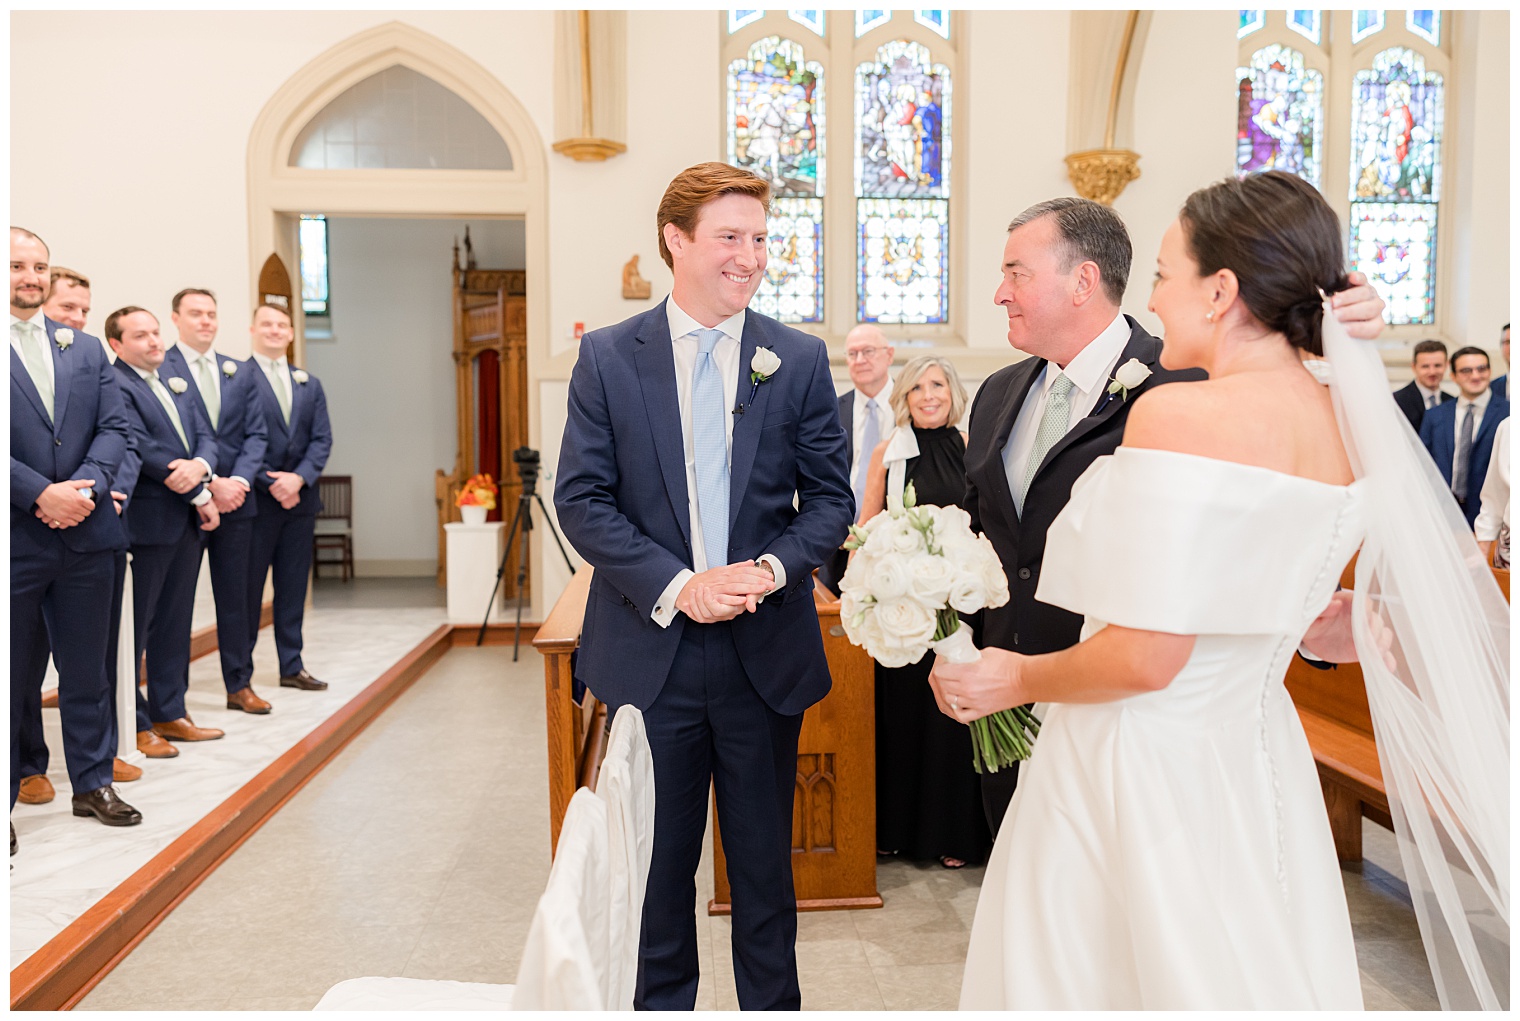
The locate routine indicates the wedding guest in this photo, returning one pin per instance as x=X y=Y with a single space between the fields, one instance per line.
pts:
x=228 y=401
x=1424 y=392
x=1492 y=526
x=865 y=411
x=1460 y=433
x=68 y=436
x=1500 y=386
x=928 y=797
x=169 y=506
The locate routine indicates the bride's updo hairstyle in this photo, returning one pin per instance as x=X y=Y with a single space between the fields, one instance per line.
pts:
x=1283 y=243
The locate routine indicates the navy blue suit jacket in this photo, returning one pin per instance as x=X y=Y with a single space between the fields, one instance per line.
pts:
x=1438 y=432
x=87 y=439
x=1500 y=386
x=155 y=515
x=241 y=435
x=302 y=446
x=622 y=501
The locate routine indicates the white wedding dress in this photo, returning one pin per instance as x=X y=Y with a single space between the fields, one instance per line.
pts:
x=1171 y=850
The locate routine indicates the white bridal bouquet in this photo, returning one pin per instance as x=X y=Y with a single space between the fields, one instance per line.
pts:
x=915 y=571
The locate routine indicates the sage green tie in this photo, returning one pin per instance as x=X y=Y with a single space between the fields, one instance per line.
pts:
x=162 y=393
x=33 y=351
x=1052 y=427
x=281 y=394
x=207 y=382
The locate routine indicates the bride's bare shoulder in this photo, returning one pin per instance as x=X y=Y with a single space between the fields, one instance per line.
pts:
x=1184 y=417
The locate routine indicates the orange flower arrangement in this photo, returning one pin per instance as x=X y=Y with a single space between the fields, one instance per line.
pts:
x=477 y=491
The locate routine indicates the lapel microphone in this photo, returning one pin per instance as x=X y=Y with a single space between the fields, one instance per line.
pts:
x=738 y=410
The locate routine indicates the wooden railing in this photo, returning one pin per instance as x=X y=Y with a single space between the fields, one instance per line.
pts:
x=573 y=728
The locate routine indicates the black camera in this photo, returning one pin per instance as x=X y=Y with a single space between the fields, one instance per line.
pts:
x=527 y=460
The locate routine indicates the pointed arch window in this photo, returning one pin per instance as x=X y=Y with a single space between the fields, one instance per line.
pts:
x=1250 y=21
x=1281 y=114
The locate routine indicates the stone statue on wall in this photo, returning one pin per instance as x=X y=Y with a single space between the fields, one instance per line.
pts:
x=635 y=287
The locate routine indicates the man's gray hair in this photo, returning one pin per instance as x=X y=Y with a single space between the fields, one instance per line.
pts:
x=1089 y=232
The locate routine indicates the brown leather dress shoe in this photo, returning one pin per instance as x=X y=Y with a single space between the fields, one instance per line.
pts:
x=125 y=772
x=183 y=730
x=104 y=805
x=35 y=790
x=155 y=747
x=247 y=701
x=304 y=681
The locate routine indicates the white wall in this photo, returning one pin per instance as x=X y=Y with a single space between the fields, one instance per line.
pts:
x=389 y=374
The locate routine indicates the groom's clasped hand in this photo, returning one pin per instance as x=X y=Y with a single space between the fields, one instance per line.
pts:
x=722 y=593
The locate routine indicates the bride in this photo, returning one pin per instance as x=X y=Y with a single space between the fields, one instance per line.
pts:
x=1168 y=846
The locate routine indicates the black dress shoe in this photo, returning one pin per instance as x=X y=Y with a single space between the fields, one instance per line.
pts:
x=104 y=805
x=304 y=681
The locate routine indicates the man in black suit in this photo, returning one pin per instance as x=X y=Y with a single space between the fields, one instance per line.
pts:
x=1460 y=435
x=865 y=411
x=1424 y=392
x=1500 y=386
x=1037 y=425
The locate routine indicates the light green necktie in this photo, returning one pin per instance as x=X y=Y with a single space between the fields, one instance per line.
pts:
x=1052 y=428
x=33 y=351
x=207 y=383
x=162 y=393
x=281 y=394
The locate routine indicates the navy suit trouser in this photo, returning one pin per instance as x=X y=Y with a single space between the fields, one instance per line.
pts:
x=283 y=541
x=710 y=728
x=163 y=605
x=229 y=548
x=61 y=603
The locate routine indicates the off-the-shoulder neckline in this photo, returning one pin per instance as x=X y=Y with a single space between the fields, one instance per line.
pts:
x=1243 y=466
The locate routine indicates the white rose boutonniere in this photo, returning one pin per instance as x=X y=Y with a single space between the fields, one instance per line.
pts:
x=229 y=369
x=762 y=366
x=178 y=385
x=299 y=375
x=63 y=337
x=1129 y=376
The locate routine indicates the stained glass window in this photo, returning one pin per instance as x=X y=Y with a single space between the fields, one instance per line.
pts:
x=1426 y=25
x=1365 y=23
x=902 y=186
x=1250 y=21
x=1397 y=115
x=1280 y=121
x=812 y=19
x=937 y=21
x=867 y=20
x=313 y=245
x=738 y=19
x=776 y=130
x=1306 y=24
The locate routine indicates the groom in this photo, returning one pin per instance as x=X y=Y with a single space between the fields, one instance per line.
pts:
x=691 y=429
x=1037 y=425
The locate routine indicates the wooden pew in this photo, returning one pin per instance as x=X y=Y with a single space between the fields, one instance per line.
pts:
x=569 y=723
x=1332 y=704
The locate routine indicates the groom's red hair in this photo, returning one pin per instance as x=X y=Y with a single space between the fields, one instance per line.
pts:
x=695 y=187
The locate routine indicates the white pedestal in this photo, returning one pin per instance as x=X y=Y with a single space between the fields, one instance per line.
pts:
x=474 y=554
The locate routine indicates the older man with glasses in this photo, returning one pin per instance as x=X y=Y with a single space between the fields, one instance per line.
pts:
x=865 y=412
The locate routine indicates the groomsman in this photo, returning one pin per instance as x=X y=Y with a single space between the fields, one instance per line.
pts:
x=865 y=411
x=300 y=439
x=1424 y=392
x=224 y=390
x=168 y=506
x=1460 y=434
x=68 y=305
x=69 y=434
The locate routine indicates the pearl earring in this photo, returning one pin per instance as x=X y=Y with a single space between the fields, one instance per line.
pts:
x=1210 y=316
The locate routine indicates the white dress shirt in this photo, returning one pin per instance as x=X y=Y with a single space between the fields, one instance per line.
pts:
x=1090 y=373
x=1478 y=407
x=884 y=423
x=42 y=339
x=685 y=345
x=193 y=358
x=1432 y=398
x=282 y=367
x=204 y=494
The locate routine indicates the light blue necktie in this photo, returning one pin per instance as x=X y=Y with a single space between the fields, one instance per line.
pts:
x=710 y=447
x=1052 y=428
x=868 y=441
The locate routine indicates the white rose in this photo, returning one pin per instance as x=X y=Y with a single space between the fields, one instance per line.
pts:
x=993 y=576
x=1132 y=373
x=229 y=368
x=930 y=579
x=968 y=593
x=178 y=385
x=764 y=363
x=862 y=628
x=63 y=337
x=888 y=579
x=299 y=375
x=910 y=625
x=904 y=538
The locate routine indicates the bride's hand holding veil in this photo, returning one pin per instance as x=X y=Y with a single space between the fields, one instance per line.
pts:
x=1331 y=636
x=1359 y=308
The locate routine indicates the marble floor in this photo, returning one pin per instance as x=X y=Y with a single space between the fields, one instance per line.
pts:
x=67 y=864
x=421 y=850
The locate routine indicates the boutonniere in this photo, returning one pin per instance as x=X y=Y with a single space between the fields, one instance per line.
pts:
x=299 y=375
x=229 y=368
x=178 y=385
x=63 y=337
x=762 y=366
x=1129 y=376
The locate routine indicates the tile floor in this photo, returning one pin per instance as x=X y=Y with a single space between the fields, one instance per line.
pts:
x=421 y=850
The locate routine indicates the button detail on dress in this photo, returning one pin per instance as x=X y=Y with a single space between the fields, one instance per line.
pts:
x=1023 y=574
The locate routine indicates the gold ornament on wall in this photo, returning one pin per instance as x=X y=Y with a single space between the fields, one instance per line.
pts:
x=587 y=148
x=635 y=287
x=1102 y=174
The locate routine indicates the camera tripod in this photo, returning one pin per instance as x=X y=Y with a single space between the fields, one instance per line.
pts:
x=527 y=463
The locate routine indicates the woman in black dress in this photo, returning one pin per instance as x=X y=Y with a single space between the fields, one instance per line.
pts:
x=928 y=798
